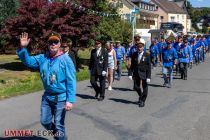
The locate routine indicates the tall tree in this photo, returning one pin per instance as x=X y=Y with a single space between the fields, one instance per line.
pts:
x=111 y=27
x=39 y=18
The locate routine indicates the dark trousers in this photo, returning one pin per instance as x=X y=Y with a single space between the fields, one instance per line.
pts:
x=209 y=48
x=99 y=90
x=154 y=60
x=183 y=69
x=142 y=94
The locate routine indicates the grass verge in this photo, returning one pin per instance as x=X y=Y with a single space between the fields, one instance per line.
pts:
x=31 y=84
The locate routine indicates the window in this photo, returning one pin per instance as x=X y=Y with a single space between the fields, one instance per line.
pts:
x=161 y=18
x=177 y=17
x=172 y=18
x=150 y=8
x=146 y=7
x=142 y=6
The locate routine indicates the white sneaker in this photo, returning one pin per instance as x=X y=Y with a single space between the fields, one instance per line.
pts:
x=109 y=88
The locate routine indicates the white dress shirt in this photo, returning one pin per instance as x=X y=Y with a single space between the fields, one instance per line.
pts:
x=98 y=51
x=140 y=56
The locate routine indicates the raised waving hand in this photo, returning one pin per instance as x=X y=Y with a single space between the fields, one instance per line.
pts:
x=24 y=40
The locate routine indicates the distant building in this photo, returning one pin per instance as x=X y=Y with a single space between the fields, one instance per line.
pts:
x=145 y=18
x=182 y=4
x=203 y=20
x=170 y=11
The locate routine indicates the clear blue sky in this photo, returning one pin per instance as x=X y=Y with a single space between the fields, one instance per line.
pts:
x=200 y=3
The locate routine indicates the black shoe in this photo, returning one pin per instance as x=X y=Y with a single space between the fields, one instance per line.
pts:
x=165 y=84
x=141 y=104
x=100 y=98
x=169 y=86
x=96 y=96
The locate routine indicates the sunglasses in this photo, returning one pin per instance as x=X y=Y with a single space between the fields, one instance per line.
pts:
x=51 y=42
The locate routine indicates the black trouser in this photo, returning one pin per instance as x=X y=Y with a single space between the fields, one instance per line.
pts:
x=183 y=69
x=99 y=90
x=129 y=72
x=153 y=60
x=142 y=95
x=209 y=48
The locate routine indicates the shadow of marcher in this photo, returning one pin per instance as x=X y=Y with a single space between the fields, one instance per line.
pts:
x=155 y=85
x=23 y=138
x=177 y=78
x=83 y=96
x=122 y=89
x=14 y=66
x=123 y=101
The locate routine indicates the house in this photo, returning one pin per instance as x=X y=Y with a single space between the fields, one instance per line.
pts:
x=170 y=11
x=145 y=17
x=182 y=4
x=203 y=21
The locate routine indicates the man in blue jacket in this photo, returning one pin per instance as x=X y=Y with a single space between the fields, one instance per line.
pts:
x=185 y=57
x=169 y=56
x=154 y=53
x=121 y=57
x=57 y=72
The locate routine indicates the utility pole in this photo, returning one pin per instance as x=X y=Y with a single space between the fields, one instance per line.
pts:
x=134 y=11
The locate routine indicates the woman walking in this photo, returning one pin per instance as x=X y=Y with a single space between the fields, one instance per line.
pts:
x=112 y=62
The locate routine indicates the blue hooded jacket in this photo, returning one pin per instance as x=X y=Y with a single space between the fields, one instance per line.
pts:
x=58 y=74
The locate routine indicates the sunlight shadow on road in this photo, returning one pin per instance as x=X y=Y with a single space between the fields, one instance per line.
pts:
x=122 y=101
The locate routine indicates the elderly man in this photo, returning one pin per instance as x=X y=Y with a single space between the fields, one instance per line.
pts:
x=98 y=69
x=141 y=69
x=57 y=72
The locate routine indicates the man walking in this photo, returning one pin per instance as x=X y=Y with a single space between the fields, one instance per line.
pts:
x=98 y=69
x=58 y=76
x=185 y=57
x=169 y=56
x=141 y=69
x=121 y=57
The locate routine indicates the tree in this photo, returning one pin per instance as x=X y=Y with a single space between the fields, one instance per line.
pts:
x=111 y=27
x=39 y=18
x=7 y=9
x=196 y=14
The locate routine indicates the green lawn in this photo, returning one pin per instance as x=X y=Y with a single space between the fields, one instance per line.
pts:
x=8 y=58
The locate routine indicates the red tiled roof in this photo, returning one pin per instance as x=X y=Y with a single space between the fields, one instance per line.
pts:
x=169 y=6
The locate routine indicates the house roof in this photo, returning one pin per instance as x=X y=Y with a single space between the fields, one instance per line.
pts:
x=169 y=6
x=180 y=3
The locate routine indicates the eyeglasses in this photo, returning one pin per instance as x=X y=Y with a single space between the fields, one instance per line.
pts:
x=51 y=42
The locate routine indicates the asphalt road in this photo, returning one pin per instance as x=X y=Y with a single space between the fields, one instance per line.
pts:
x=179 y=113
